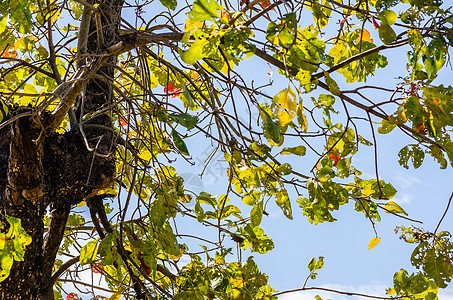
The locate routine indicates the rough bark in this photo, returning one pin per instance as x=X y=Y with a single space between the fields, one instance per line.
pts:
x=40 y=169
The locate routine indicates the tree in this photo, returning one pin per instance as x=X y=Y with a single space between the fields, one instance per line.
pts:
x=98 y=99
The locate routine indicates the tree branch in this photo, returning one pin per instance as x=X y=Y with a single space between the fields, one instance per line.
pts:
x=52 y=240
x=337 y=292
x=63 y=268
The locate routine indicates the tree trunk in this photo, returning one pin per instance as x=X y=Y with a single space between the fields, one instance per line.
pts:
x=40 y=170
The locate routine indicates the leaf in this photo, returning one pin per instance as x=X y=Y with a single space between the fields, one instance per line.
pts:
x=88 y=252
x=284 y=203
x=204 y=10
x=195 y=52
x=6 y=262
x=171 y=4
x=179 y=143
x=387 y=17
x=333 y=86
x=365 y=35
x=4 y=110
x=386 y=34
x=312 y=264
x=116 y=296
x=271 y=128
x=386 y=127
x=256 y=214
x=168 y=241
x=373 y=243
x=303 y=76
x=394 y=207
x=185 y=120
x=20 y=15
x=286 y=105
x=299 y=150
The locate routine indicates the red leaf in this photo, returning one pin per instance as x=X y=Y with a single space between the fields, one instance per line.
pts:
x=172 y=89
x=335 y=159
x=375 y=23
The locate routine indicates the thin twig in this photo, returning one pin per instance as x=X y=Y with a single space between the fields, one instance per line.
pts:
x=443 y=216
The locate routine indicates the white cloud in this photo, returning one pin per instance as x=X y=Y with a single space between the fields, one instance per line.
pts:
x=403 y=198
x=408 y=182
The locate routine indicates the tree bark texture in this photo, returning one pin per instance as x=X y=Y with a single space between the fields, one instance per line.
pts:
x=41 y=169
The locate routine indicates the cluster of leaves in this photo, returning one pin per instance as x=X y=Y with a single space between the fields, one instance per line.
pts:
x=433 y=255
x=13 y=241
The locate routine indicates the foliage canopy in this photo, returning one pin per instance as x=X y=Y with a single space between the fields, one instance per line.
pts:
x=116 y=92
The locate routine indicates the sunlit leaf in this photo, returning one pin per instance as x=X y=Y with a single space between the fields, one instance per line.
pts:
x=88 y=252
x=373 y=243
x=387 y=17
x=204 y=10
x=394 y=207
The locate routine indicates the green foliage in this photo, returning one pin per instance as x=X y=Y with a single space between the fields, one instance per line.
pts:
x=179 y=143
x=12 y=245
x=314 y=265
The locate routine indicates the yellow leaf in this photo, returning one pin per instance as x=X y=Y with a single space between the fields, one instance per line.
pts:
x=30 y=89
x=365 y=36
x=287 y=105
x=19 y=44
x=81 y=204
x=116 y=296
x=373 y=243
x=394 y=207
x=145 y=155
x=391 y=292
x=191 y=25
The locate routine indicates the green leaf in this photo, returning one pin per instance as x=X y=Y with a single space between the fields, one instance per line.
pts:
x=387 y=17
x=386 y=34
x=168 y=241
x=386 y=127
x=179 y=143
x=284 y=203
x=312 y=264
x=256 y=214
x=195 y=52
x=204 y=10
x=6 y=262
x=304 y=77
x=185 y=120
x=285 y=106
x=394 y=207
x=88 y=252
x=171 y=4
x=4 y=110
x=107 y=249
x=271 y=128
x=20 y=15
x=333 y=86
x=299 y=150
x=412 y=152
